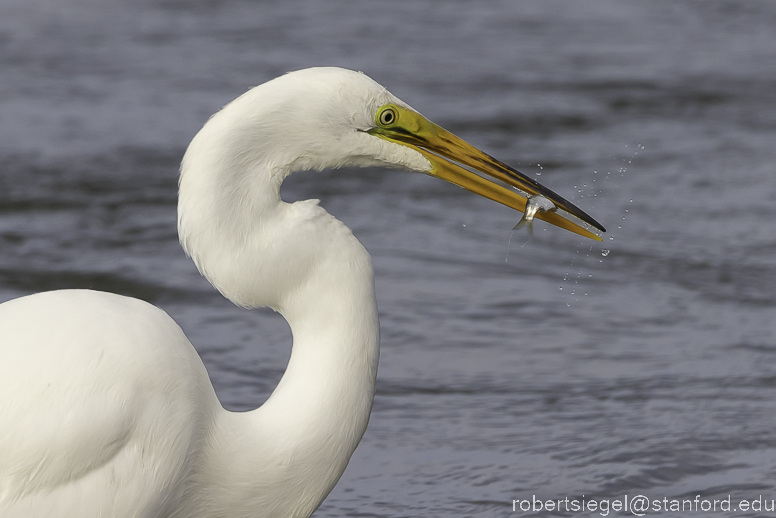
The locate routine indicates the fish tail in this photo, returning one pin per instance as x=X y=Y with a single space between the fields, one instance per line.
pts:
x=525 y=222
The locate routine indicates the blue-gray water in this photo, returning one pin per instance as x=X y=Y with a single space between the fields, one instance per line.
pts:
x=510 y=367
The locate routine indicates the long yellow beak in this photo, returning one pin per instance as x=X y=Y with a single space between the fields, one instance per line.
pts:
x=445 y=151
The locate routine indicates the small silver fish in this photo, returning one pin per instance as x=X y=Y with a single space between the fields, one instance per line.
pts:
x=536 y=203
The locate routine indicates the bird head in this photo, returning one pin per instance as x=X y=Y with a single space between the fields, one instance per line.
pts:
x=230 y=209
x=349 y=119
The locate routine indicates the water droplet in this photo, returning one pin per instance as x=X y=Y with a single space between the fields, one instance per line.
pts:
x=538 y=173
x=560 y=288
x=604 y=253
x=611 y=238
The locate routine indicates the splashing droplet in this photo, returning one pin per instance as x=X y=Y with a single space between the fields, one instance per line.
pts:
x=604 y=253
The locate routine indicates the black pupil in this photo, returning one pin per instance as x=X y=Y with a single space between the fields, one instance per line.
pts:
x=387 y=117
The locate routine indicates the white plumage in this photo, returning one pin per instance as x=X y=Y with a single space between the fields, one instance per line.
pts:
x=106 y=410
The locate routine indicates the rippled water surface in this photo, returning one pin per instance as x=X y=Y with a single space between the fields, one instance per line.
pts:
x=510 y=366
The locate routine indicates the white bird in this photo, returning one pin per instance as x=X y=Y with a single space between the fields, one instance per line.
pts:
x=106 y=410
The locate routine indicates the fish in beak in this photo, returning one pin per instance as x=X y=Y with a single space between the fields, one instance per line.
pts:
x=458 y=162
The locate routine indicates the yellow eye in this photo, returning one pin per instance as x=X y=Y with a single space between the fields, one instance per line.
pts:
x=387 y=117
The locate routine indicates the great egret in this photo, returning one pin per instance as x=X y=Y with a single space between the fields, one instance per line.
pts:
x=106 y=410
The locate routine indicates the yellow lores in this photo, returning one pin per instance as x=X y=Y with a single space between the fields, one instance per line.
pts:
x=445 y=151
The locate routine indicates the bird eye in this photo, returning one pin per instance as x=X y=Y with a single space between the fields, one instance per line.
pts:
x=387 y=117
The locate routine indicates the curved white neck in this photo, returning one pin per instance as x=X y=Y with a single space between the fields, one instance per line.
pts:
x=283 y=458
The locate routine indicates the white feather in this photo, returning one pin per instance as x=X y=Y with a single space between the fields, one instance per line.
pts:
x=106 y=410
